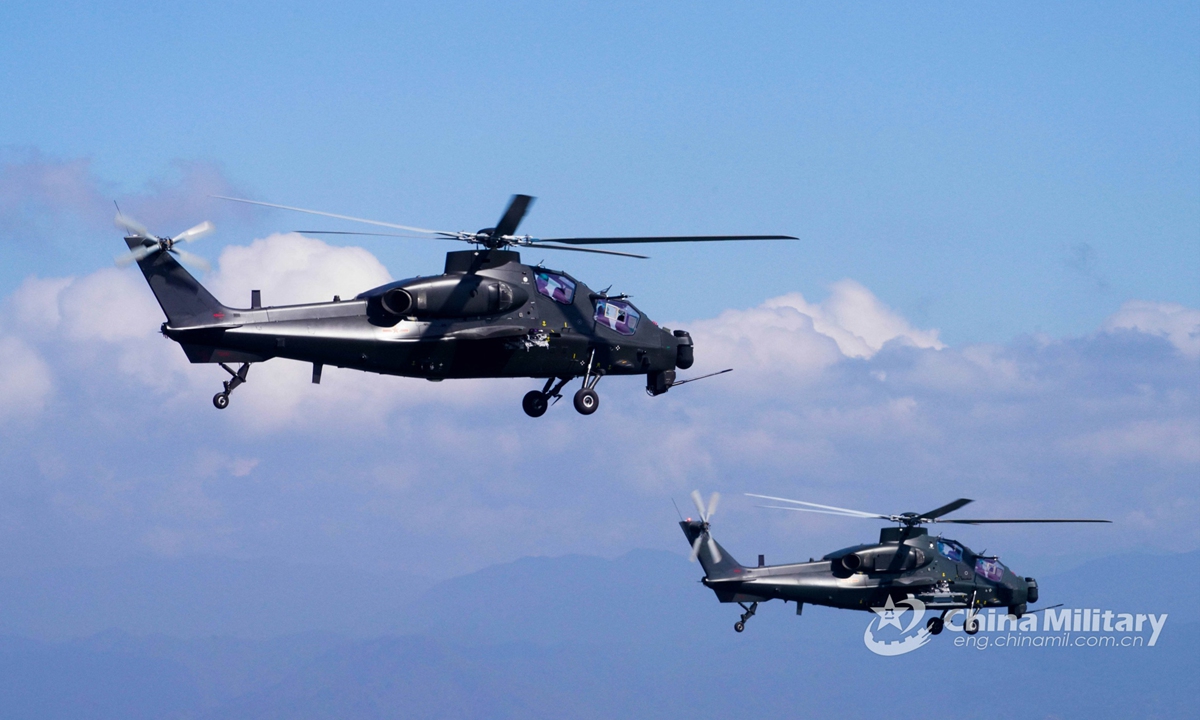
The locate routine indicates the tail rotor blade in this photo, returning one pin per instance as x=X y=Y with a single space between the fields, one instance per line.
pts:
x=137 y=254
x=192 y=259
x=133 y=227
x=699 y=501
x=712 y=505
x=712 y=548
x=195 y=233
x=696 y=548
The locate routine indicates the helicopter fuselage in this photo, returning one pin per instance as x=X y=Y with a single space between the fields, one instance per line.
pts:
x=487 y=316
x=941 y=573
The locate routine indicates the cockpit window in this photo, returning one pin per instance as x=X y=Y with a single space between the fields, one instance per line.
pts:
x=617 y=315
x=559 y=288
x=951 y=550
x=990 y=568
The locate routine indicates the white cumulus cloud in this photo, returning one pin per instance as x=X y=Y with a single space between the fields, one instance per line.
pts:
x=856 y=320
x=830 y=400
x=1178 y=324
x=35 y=304
x=289 y=269
x=25 y=379
x=790 y=339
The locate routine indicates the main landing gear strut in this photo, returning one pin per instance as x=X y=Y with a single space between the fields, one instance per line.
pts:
x=221 y=399
x=536 y=402
x=740 y=625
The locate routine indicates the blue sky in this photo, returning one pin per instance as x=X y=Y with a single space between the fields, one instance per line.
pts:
x=988 y=171
x=995 y=292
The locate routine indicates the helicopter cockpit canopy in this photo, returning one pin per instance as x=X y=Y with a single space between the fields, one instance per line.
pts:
x=559 y=288
x=990 y=568
x=617 y=315
x=950 y=550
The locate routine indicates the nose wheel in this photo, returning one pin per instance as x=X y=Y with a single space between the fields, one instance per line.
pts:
x=221 y=399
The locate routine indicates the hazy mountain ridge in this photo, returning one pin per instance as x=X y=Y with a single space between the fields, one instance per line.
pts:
x=586 y=637
x=199 y=597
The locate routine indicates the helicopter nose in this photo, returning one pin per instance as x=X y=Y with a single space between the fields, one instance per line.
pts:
x=684 y=355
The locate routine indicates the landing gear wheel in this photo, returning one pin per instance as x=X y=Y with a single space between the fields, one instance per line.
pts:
x=739 y=626
x=586 y=401
x=935 y=625
x=971 y=625
x=535 y=403
x=221 y=399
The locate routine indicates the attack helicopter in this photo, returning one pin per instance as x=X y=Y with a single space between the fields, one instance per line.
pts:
x=906 y=563
x=488 y=315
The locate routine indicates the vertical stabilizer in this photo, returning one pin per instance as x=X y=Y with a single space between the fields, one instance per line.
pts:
x=184 y=300
x=714 y=569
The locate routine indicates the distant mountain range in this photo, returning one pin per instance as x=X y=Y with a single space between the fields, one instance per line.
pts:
x=566 y=637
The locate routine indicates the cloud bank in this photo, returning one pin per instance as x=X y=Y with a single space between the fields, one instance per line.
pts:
x=114 y=446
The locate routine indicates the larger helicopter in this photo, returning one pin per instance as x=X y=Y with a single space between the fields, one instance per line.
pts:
x=487 y=315
x=906 y=563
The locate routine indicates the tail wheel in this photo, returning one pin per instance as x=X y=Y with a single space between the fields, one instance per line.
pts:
x=221 y=401
x=535 y=403
x=739 y=626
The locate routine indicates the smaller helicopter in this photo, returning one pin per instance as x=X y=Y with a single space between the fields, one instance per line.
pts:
x=942 y=573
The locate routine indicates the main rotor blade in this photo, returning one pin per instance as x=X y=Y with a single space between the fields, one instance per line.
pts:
x=712 y=548
x=194 y=260
x=662 y=239
x=696 y=548
x=194 y=233
x=995 y=522
x=947 y=508
x=859 y=513
x=136 y=254
x=371 y=234
x=339 y=217
x=699 y=501
x=826 y=512
x=517 y=207
x=135 y=228
x=587 y=250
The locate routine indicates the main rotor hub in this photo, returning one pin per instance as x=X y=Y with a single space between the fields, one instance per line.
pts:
x=488 y=238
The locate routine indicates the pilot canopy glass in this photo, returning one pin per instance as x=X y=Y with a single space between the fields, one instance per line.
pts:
x=617 y=315
x=559 y=288
x=990 y=568
x=950 y=549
